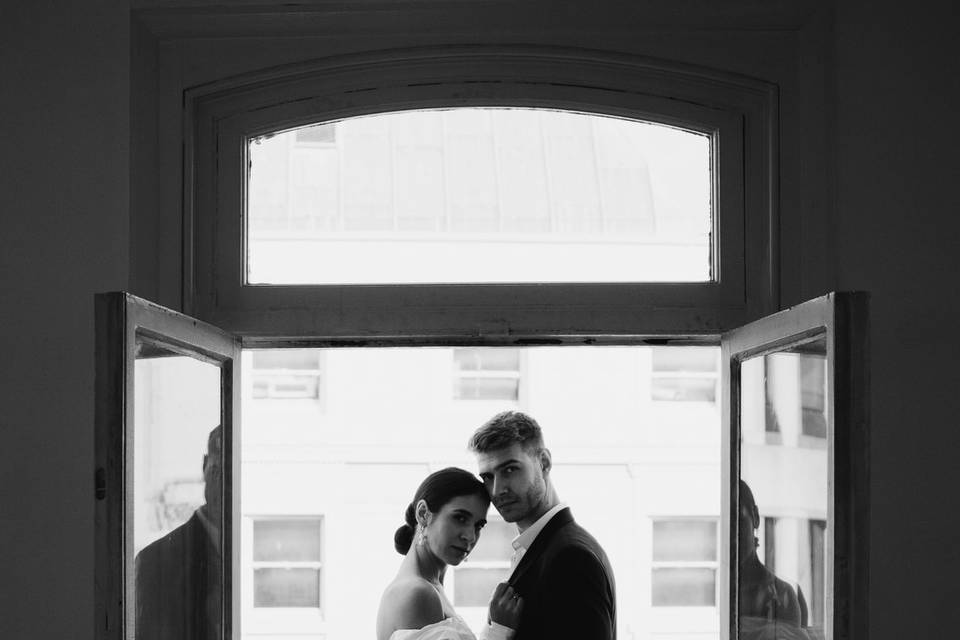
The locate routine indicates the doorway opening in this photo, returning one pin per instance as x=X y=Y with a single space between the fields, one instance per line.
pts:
x=335 y=442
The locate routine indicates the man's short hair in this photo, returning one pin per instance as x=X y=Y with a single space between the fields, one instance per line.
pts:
x=506 y=429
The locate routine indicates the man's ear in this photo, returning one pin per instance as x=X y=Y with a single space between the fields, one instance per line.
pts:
x=546 y=461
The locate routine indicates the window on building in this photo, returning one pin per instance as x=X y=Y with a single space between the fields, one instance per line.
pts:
x=318 y=134
x=486 y=374
x=817 y=598
x=287 y=562
x=684 y=374
x=813 y=395
x=684 y=567
x=286 y=374
x=486 y=566
x=771 y=420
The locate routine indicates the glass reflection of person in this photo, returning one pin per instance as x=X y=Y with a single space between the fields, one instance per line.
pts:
x=762 y=595
x=178 y=577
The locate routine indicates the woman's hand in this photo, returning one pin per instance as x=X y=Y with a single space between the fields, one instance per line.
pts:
x=505 y=606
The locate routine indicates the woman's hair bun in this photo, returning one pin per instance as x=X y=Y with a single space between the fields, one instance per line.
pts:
x=403 y=538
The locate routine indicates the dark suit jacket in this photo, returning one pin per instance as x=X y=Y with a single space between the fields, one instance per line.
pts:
x=179 y=594
x=567 y=585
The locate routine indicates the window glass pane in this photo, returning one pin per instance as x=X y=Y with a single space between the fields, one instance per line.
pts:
x=276 y=373
x=783 y=490
x=479 y=195
x=286 y=359
x=684 y=389
x=684 y=587
x=684 y=359
x=487 y=389
x=494 y=543
x=684 y=540
x=475 y=586
x=177 y=493
x=813 y=390
x=487 y=359
x=286 y=540
x=318 y=134
x=281 y=587
x=285 y=386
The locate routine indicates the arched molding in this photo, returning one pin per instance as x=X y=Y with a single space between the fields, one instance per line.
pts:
x=739 y=113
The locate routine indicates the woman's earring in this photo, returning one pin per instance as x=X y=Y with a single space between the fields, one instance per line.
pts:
x=421 y=535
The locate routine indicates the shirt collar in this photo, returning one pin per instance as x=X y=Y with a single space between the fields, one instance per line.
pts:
x=525 y=539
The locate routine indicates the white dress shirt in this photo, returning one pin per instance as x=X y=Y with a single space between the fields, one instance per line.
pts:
x=523 y=541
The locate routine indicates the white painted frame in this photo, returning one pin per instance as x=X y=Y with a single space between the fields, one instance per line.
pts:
x=841 y=320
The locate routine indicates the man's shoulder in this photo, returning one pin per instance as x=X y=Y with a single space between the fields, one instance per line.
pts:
x=181 y=536
x=574 y=543
x=573 y=534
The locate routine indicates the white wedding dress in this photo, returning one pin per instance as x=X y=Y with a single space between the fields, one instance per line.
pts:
x=453 y=628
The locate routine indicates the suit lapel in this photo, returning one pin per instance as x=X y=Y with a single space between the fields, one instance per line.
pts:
x=540 y=544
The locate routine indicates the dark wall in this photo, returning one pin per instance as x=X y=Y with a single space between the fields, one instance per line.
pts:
x=64 y=164
x=893 y=230
x=898 y=236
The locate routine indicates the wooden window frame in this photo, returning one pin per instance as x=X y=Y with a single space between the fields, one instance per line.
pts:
x=738 y=113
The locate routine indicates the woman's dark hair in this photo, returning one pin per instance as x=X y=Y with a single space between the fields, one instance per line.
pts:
x=437 y=489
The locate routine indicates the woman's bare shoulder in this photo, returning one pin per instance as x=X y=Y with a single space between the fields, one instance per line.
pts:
x=408 y=602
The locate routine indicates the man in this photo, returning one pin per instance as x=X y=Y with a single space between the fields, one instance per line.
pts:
x=762 y=596
x=559 y=570
x=179 y=577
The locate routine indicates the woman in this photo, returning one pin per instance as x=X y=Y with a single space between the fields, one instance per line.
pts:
x=442 y=526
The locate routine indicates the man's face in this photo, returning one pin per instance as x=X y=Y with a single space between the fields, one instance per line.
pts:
x=213 y=478
x=517 y=482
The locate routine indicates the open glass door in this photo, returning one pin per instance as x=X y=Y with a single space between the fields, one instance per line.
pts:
x=795 y=473
x=166 y=473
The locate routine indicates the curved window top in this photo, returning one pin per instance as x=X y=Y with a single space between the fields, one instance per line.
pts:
x=479 y=195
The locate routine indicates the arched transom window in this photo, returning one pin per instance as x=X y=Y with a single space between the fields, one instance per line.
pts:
x=472 y=195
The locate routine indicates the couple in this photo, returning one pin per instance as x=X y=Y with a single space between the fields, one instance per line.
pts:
x=561 y=585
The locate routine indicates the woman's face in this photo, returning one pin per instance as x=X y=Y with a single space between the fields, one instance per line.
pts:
x=454 y=530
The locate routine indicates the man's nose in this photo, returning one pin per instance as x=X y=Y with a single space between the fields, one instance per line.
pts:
x=469 y=536
x=499 y=486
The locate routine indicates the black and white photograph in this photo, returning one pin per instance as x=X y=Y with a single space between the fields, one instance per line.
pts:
x=479 y=320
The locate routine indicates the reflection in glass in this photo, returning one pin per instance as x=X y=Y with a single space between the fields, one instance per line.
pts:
x=178 y=491
x=479 y=195
x=783 y=499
